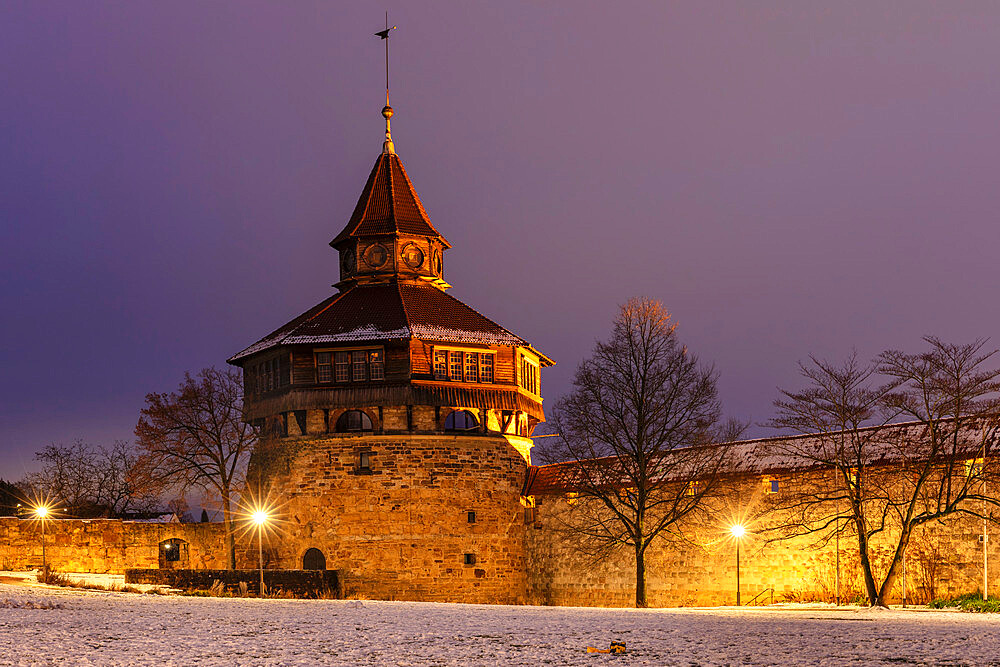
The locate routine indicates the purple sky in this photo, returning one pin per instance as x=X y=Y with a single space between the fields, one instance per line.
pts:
x=786 y=177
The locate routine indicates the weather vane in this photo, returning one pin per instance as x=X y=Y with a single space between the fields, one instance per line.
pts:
x=387 y=147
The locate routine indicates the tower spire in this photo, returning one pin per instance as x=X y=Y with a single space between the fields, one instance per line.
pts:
x=387 y=146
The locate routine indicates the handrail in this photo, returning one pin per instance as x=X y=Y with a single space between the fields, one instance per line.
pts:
x=754 y=598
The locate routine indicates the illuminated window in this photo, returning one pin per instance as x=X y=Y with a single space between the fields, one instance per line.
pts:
x=441 y=364
x=324 y=366
x=471 y=367
x=486 y=367
x=771 y=485
x=572 y=497
x=343 y=366
x=456 y=365
x=376 y=365
x=973 y=467
x=461 y=420
x=693 y=488
x=529 y=375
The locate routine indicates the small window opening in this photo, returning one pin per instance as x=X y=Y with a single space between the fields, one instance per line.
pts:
x=461 y=420
x=775 y=486
x=354 y=421
x=365 y=461
x=470 y=559
x=472 y=516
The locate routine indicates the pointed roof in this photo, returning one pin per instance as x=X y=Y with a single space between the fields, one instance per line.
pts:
x=388 y=311
x=388 y=205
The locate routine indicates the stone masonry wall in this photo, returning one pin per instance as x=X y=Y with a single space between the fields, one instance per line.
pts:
x=944 y=558
x=104 y=545
x=401 y=530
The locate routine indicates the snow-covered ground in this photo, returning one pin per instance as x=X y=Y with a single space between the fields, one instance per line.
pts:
x=98 y=628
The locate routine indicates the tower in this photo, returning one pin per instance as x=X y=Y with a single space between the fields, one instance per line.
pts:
x=397 y=420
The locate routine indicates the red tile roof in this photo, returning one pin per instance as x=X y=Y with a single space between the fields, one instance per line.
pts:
x=388 y=205
x=387 y=311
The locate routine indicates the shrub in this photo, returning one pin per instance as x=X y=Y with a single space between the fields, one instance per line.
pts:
x=972 y=602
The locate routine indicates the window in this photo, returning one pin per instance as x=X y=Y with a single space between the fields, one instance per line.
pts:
x=529 y=375
x=343 y=360
x=472 y=367
x=486 y=368
x=354 y=421
x=693 y=488
x=771 y=486
x=324 y=367
x=973 y=467
x=530 y=514
x=470 y=559
x=441 y=364
x=456 y=365
x=376 y=365
x=359 y=365
x=171 y=552
x=365 y=461
x=461 y=420
x=463 y=366
x=471 y=516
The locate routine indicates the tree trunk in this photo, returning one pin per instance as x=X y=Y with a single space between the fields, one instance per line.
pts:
x=227 y=518
x=866 y=569
x=890 y=576
x=640 y=577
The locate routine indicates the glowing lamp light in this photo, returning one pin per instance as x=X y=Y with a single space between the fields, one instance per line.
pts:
x=41 y=511
x=738 y=531
x=260 y=517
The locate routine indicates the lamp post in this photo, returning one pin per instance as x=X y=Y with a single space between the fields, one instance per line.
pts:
x=41 y=513
x=738 y=532
x=260 y=518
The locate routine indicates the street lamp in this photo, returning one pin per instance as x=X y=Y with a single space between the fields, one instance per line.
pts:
x=260 y=517
x=738 y=532
x=41 y=512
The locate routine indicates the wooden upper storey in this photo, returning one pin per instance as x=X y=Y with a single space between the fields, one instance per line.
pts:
x=391 y=336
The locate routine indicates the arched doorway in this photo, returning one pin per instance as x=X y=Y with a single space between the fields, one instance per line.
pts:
x=313 y=559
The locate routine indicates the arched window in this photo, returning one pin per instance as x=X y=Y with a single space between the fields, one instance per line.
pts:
x=313 y=559
x=461 y=420
x=354 y=421
x=173 y=554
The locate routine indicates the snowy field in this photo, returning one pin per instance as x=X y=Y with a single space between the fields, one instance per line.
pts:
x=99 y=628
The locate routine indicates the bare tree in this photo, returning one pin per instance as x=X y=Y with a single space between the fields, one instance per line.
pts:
x=630 y=430
x=93 y=480
x=196 y=437
x=887 y=478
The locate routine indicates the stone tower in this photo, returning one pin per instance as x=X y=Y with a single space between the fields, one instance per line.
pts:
x=397 y=420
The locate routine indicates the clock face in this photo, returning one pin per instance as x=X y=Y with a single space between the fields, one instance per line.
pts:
x=376 y=255
x=347 y=261
x=413 y=256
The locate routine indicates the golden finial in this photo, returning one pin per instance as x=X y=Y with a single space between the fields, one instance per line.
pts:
x=387 y=146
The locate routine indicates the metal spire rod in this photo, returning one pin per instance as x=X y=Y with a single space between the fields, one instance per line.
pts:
x=384 y=36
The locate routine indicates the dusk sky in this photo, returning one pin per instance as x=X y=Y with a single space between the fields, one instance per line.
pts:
x=787 y=178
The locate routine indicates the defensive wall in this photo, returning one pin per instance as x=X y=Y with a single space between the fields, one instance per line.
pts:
x=696 y=565
x=109 y=545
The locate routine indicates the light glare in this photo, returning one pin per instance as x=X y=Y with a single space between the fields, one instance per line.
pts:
x=738 y=531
